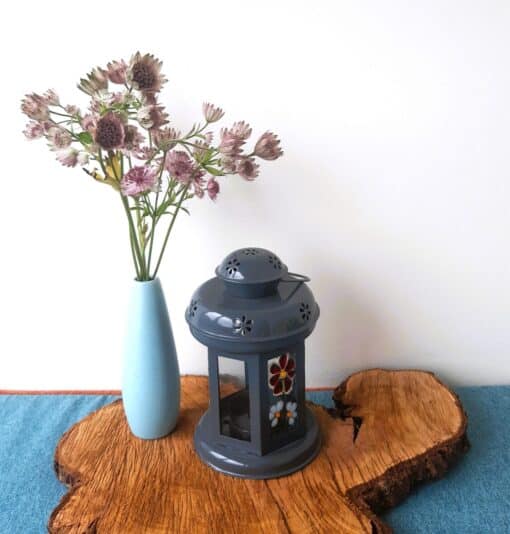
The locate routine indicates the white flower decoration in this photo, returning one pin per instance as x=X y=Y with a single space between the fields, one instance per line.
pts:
x=291 y=408
x=275 y=413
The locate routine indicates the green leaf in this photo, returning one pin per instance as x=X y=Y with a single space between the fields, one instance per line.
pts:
x=213 y=170
x=85 y=138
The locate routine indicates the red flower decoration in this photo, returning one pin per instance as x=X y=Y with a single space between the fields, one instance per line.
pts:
x=282 y=375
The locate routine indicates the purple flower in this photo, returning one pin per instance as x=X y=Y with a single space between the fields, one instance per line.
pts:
x=152 y=117
x=247 y=168
x=116 y=71
x=179 y=165
x=144 y=73
x=72 y=110
x=268 y=147
x=241 y=130
x=132 y=138
x=59 y=138
x=89 y=122
x=233 y=139
x=51 y=97
x=230 y=145
x=33 y=130
x=68 y=157
x=213 y=188
x=95 y=82
x=139 y=180
x=35 y=107
x=110 y=132
x=211 y=112
x=165 y=139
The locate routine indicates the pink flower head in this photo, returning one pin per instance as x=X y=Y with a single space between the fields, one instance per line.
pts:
x=152 y=116
x=73 y=110
x=241 y=130
x=110 y=131
x=89 y=122
x=68 y=156
x=141 y=179
x=59 y=138
x=116 y=71
x=211 y=112
x=95 y=82
x=179 y=165
x=165 y=139
x=268 y=147
x=145 y=153
x=213 y=188
x=247 y=168
x=228 y=164
x=51 y=97
x=144 y=73
x=33 y=130
x=230 y=145
x=198 y=183
x=132 y=138
x=36 y=107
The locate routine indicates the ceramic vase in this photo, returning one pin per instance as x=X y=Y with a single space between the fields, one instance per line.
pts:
x=150 y=376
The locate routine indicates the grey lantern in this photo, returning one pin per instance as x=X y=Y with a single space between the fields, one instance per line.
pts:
x=254 y=317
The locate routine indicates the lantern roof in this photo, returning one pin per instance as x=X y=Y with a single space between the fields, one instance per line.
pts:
x=252 y=304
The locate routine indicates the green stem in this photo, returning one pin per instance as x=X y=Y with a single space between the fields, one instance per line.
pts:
x=141 y=275
x=135 y=248
x=154 y=219
x=174 y=216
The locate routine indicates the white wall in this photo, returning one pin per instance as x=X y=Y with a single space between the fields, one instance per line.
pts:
x=393 y=194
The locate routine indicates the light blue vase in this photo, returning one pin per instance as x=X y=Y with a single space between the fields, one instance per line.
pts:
x=150 y=378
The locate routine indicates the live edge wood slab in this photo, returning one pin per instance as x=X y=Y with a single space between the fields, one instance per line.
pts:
x=389 y=431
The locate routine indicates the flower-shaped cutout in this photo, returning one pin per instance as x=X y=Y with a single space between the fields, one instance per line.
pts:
x=282 y=372
x=193 y=308
x=275 y=262
x=232 y=266
x=243 y=325
x=291 y=412
x=304 y=310
x=250 y=251
x=276 y=413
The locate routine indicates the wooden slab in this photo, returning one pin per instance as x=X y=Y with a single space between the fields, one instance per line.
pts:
x=390 y=430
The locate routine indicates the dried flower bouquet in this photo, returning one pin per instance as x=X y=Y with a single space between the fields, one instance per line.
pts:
x=124 y=140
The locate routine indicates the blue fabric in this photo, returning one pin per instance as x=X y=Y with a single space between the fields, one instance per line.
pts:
x=473 y=498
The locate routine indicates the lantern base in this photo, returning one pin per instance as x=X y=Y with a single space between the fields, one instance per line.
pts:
x=246 y=464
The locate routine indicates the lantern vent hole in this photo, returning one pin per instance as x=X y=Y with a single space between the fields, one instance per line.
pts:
x=243 y=325
x=232 y=266
x=304 y=310
x=275 y=262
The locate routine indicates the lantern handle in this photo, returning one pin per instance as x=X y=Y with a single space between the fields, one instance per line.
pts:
x=294 y=277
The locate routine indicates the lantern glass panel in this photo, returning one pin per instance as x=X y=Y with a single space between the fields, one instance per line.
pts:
x=234 y=398
x=282 y=390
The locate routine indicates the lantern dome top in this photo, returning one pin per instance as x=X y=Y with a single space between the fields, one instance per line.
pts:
x=251 y=266
x=252 y=304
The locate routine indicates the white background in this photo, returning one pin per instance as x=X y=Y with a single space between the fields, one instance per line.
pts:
x=393 y=194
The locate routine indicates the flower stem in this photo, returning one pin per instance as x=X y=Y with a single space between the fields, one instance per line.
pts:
x=154 y=219
x=174 y=216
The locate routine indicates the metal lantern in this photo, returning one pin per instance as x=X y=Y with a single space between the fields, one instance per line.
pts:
x=254 y=317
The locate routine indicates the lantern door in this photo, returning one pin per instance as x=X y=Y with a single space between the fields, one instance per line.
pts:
x=234 y=405
x=282 y=375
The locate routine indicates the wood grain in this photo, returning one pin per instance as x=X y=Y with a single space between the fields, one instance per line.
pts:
x=389 y=431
